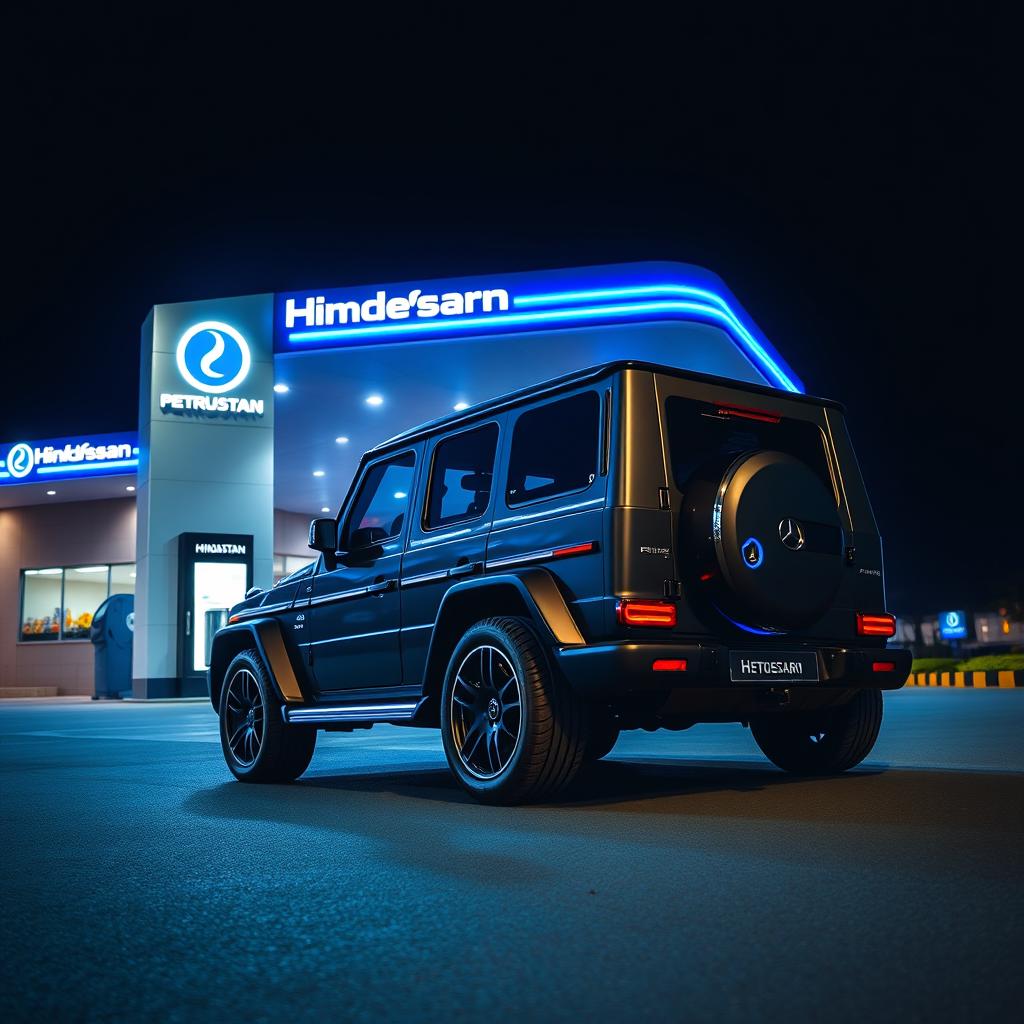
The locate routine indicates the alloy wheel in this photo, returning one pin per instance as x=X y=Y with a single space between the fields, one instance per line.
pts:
x=486 y=712
x=244 y=718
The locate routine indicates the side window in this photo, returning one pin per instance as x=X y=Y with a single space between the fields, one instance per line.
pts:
x=381 y=504
x=461 y=477
x=554 y=449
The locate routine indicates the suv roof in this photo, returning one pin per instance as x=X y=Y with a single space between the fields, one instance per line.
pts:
x=569 y=380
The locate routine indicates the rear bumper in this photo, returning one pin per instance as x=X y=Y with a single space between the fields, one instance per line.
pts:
x=617 y=669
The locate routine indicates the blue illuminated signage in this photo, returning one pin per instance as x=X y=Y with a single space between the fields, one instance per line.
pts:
x=509 y=303
x=214 y=358
x=953 y=625
x=68 y=458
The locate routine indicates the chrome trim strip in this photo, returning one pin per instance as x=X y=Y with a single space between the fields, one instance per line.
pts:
x=538 y=556
x=266 y=609
x=341 y=595
x=530 y=556
x=425 y=577
x=350 y=713
x=353 y=636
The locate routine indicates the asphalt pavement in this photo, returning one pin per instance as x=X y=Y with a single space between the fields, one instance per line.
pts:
x=681 y=878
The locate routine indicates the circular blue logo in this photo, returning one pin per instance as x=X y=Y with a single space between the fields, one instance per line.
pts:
x=952 y=619
x=21 y=460
x=213 y=357
x=753 y=553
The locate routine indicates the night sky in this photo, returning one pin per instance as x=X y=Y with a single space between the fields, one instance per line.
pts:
x=838 y=174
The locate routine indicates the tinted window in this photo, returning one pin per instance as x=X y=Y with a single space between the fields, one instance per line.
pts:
x=700 y=431
x=460 y=482
x=382 y=502
x=554 y=449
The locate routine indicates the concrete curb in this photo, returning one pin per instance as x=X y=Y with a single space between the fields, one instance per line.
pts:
x=968 y=680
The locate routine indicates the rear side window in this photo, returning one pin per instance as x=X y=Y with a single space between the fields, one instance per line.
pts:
x=380 y=507
x=699 y=432
x=461 y=477
x=554 y=449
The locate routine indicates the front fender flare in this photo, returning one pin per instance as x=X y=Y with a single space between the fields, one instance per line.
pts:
x=265 y=635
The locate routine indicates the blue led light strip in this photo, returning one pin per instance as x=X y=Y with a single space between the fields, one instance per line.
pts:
x=87 y=467
x=719 y=313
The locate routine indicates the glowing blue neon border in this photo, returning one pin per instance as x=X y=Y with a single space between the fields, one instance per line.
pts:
x=714 y=309
x=89 y=467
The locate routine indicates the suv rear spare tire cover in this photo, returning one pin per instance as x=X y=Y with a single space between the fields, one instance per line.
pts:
x=777 y=540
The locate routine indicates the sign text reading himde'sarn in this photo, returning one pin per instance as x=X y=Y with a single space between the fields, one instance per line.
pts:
x=316 y=311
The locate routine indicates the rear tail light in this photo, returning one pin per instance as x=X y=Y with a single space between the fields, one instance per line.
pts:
x=646 y=613
x=670 y=665
x=876 y=625
x=883 y=666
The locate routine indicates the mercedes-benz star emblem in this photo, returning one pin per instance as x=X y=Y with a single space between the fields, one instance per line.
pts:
x=791 y=533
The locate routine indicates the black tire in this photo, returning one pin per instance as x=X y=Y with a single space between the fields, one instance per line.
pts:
x=602 y=735
x=825 y=742
x=533 y=748
x=258 y=745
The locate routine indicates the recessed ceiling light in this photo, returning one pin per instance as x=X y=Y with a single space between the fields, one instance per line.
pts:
x=400 y=495
x=459 y=406
x=51 y=493
x=281 y=389
x=374 y=400
x=318 y=472
x=341 y=440
x=326 y=508
x=91 y=568
x=130 y=489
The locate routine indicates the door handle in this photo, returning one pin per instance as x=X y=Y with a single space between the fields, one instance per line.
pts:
x=382 y=587
x=466 y=569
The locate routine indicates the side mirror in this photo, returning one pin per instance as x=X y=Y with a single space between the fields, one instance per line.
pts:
x=323 y=536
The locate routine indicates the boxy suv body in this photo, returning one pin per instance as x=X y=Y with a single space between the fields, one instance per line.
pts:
x=631 y=546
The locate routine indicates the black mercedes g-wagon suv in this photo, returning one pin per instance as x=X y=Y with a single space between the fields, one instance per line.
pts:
x=627 y=547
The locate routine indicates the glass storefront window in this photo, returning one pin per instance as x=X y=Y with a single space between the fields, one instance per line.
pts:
x=122 y=579
x=41 y=603
x=85 y=589
x=59 y=603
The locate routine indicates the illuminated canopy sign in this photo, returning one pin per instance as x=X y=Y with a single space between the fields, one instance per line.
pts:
x=512 y=303
x=68 y=458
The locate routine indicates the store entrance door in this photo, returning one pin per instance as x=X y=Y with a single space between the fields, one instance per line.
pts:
x=214 y=572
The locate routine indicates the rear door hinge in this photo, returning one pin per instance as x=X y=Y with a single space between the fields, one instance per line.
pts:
x=664 y=499
x=673 y=588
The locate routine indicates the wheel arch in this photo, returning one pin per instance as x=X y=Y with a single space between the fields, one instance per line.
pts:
x=533 y=594
x=265 y=635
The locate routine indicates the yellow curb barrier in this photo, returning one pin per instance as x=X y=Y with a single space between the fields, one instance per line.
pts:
x=975 y=679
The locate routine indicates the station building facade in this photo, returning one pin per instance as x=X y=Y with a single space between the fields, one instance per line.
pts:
x=253 y=412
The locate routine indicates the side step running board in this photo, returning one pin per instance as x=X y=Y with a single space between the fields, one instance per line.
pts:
x=383 y=712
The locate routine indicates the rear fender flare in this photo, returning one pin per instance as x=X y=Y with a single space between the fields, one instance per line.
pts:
x=531 y=593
